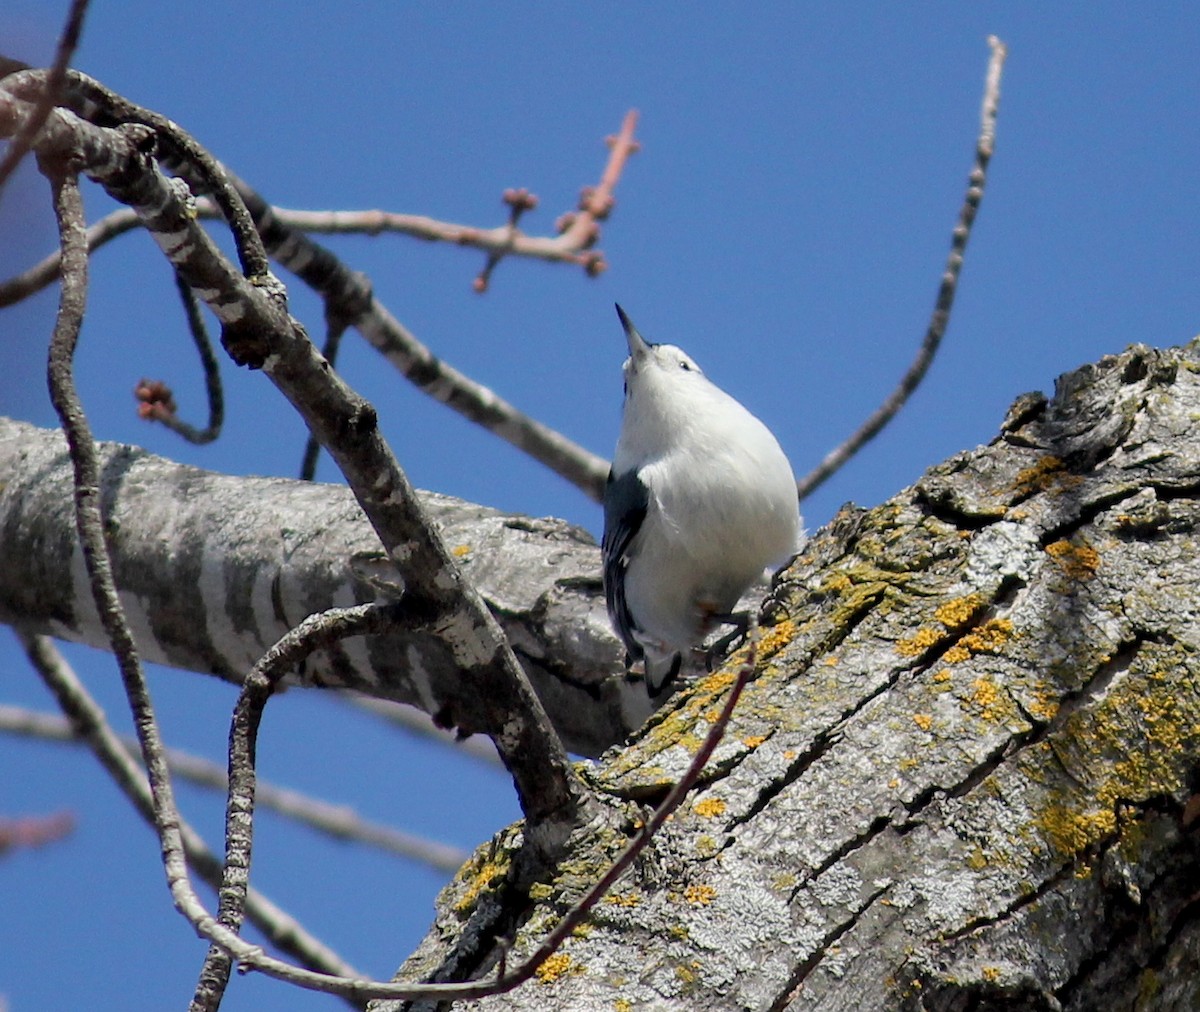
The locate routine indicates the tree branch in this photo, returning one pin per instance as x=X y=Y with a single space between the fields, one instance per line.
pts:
x=258 y=332
x=261 y=553
x=336 y=820
x=944 y=302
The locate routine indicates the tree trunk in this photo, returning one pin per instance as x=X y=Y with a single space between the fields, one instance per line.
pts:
x=965 y=776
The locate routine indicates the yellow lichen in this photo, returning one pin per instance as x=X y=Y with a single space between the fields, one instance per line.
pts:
x=991 y=974
x=835 y=583
x=687 y=973
x=1044 y=705
x=776 y=637
x=1131 y=744
x=623 y=899
x=956 y=654
x=709 y=808
x=923 y=720
x=478 y=879
x=700 y=894
x=958 y=612
x=986 y=695
x=1070 y=831
x=943 y=675
x=830 y=661
x=557 y=966
x=754 y=740
x=1079 y=562
x=987 y=639
x=622 y=1005
x=716 y=682
x=540 y=891
x=458 y=551
x=1039 y=476
x=919 y=642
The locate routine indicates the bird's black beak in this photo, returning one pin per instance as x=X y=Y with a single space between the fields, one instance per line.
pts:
x=638 y=345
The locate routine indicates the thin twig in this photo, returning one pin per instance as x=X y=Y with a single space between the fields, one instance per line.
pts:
x=45 y=272
x=338 y=821
x=157 y=402
x=314 y=632
x=335 y=329
x=945 y=296
x=90 y=725
x=68 y=40
x=348 y=294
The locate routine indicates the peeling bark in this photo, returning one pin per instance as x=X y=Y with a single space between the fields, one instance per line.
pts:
x=966 y=775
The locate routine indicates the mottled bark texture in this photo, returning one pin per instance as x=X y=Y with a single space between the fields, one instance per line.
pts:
x=214 y=569
x=966 y=774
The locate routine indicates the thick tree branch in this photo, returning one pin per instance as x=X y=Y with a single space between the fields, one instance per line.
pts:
x=250 y=557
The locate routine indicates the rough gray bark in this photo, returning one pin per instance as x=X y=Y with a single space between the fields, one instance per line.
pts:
x=966 y=775
x=214 y=569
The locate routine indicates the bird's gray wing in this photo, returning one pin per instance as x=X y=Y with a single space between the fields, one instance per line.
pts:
x=626 y=499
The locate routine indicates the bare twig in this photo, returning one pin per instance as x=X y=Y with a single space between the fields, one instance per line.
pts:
x=34 y=830
x=45 y=271
x=945 y=297
x=335 y=330
x=338 y=821
x=157 y=403
x=90 y=725
x=68 y=40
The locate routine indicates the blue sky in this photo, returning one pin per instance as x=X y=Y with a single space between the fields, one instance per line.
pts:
x=786 y=222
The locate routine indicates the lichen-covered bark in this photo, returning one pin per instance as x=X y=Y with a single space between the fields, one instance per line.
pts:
x=966 y=775
x=213 y=569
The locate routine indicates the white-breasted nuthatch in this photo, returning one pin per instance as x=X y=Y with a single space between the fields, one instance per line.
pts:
x=699 y=501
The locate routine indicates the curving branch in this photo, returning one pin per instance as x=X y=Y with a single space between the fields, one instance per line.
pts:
x=56 y=77
x=944 y=302
x=156 y=401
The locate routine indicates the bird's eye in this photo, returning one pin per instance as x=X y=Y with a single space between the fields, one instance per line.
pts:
x=685 y=365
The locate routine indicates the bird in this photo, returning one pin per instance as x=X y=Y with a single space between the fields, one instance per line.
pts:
x=700 y=500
